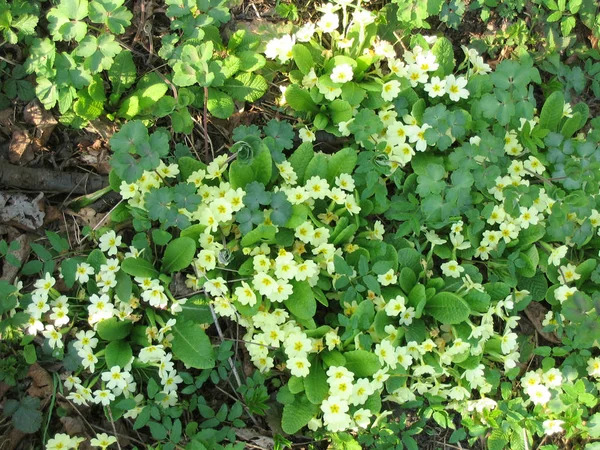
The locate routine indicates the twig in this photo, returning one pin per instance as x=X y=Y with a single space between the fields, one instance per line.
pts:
x=112 y=423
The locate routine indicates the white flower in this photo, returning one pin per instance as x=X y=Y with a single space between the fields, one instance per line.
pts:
x=83 y=272
x=329 y=22
x=455 y=88
x=553 y=426
x=109 y=242
x=306 y=135
x=342 y=73
x=390 y=90
x=435 y=87
x=452 y=269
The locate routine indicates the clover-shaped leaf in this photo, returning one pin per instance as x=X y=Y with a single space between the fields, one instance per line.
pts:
x=128 y=137
x=247 y=218
x=282 y=132
x=126 y=167
x=158 y=202
x=65 y=21
x=185 y=197
x=173 y=218
x=99 y=52
x=256 y=195
x=282 y=209
x=111 y=13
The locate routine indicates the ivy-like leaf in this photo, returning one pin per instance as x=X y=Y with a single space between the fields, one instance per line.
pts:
x=128 y=137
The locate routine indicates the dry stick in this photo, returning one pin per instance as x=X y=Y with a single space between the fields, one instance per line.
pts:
x=45 y=180
x=112 y=423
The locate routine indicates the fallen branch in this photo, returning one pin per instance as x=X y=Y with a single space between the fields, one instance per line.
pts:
x=46 y=180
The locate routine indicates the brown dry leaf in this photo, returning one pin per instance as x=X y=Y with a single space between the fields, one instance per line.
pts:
x=74 y=426
x=257 y=439
x=95 y=155
x=42 y=384
x=44 y=121
x=9 y=272
x=7 y=120
x=11 y=439
x=22 y=212
x=86 y=215
x=103 y=127
x=536 y=314
x=19 y=149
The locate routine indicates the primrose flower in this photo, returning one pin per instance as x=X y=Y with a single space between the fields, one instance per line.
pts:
x=109 y=242
x=307 y=135
x=552 y=426
x=103 y=441
x=62 y=441
x=341 y=74
x=280 y=48
x=305 y=33
x=452 y=269
x=83 y=272
x=390 y=90
x=329 y=22
x=455 y=88
x=45 y=284
x=299 y=366
x=435 y=87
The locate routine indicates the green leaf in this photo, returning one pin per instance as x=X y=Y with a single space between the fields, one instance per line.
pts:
x=113 y=329
x=448 y=308
x=138 y=267
x=303 y=58
x=98 y=52
x=444 y=53
x=65 y=21
x=315 y=384
x=111 y=13
x=301 y=158
x=27 y=417
x=261 y=233
x=299 y=99
x=192 y=346
x=552 y=111
x=301 y=303
x=122 y=73
x=342 y=161
x=362 y=362
x=179 y=254
x=118 y=353
x=297 y=414
x=219 y=103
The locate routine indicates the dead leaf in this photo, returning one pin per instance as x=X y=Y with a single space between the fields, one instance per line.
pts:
x=536 y=314
x=74 y=426
x=44 y=121
x=96 y=155
x=257 y=439
x=42 y=384
x=87 y=216
x=11 y=439
x=20 y=211
x=19 y=149
x=7 y=120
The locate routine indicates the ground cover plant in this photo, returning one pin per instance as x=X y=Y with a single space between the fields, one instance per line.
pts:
x=399 y=251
